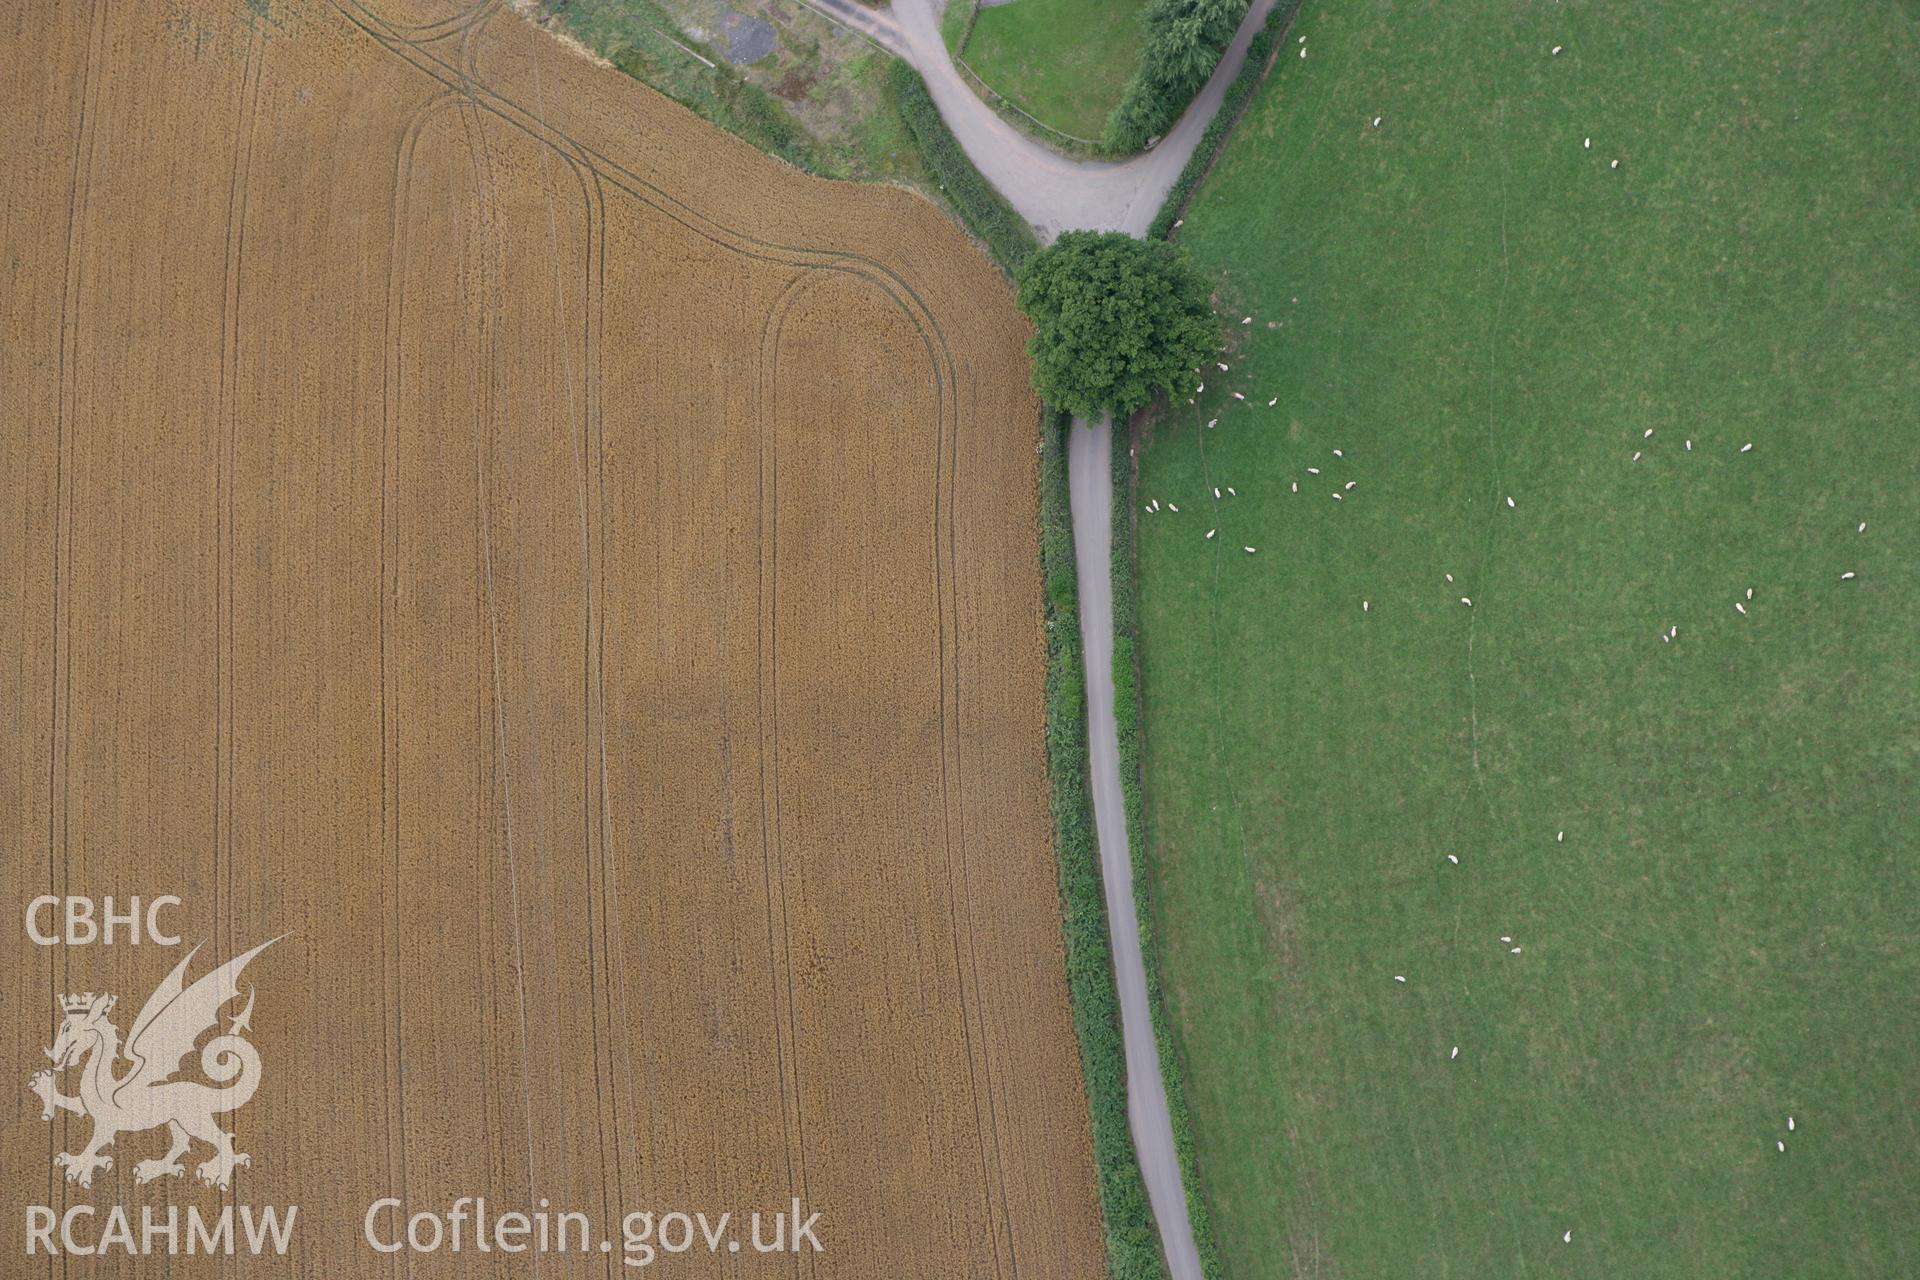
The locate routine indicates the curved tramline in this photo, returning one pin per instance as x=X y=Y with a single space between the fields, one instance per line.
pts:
x=551 y=562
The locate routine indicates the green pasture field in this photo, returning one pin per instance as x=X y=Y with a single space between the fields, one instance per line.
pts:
x=1470 y=305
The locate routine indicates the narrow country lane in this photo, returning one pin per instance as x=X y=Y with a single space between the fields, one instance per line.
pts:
x=1090 y=482
x=1052 y=192
x=1056 y=194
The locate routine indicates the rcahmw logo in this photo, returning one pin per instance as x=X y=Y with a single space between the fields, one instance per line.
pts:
x=146 y=1095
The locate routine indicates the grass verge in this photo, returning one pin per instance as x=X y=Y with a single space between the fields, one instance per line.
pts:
x=641 y=38
x=817 y=101
x=1130 y=726
x=875 y=120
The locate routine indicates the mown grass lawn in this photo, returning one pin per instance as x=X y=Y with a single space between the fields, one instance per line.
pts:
x=1470 y=305
x=1065 y=61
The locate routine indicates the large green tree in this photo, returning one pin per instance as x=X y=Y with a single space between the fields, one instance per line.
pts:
x=1183 y=44
x=1115 y=319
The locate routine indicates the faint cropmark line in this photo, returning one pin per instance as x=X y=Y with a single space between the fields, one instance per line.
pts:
x=147 y=1095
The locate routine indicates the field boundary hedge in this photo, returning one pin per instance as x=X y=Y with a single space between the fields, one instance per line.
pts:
x=1262 y=52
x=984 y=210
x=1133 y=1243
x=1168 y=78
x=1128 y=725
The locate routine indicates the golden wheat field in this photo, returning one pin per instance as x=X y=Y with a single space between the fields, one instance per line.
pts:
x=570 y=579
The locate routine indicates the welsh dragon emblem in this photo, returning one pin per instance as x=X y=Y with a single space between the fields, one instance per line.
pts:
x=147 y=1095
